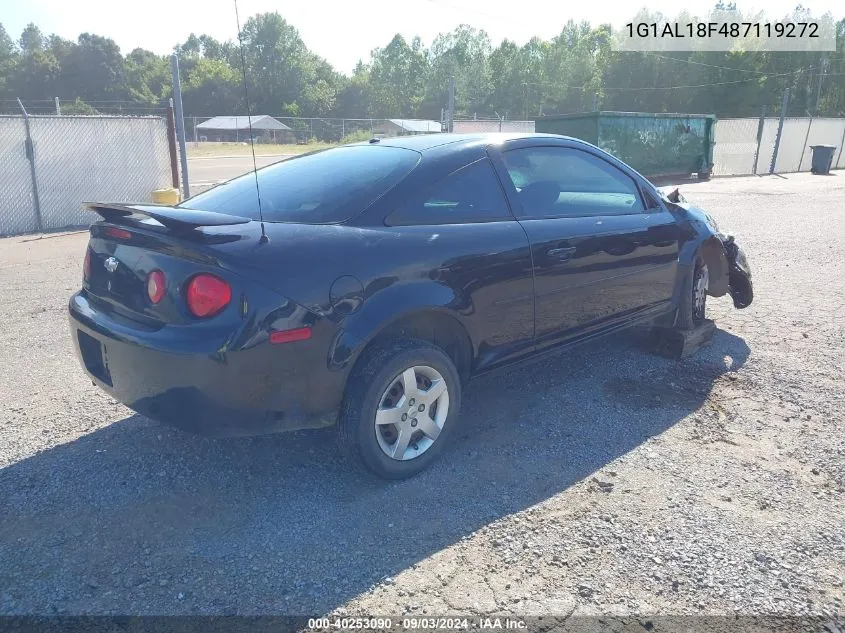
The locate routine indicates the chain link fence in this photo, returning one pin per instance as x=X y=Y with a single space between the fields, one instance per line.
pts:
x=735 y=146
x=739 y=141
x=300 y=130
x=481 y=126
x=67 y=160
x=303 y=130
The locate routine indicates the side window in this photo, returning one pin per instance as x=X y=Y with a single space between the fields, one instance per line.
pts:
x=470 y=194
x=566 y=182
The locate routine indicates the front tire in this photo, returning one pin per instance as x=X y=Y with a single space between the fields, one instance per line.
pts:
x=693 y=307
x=401 y=406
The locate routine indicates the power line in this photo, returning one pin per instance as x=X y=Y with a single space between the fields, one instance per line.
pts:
x=739 y=70
x=718 y=83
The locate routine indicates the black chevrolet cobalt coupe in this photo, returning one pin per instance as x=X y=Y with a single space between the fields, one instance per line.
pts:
x=384 y=276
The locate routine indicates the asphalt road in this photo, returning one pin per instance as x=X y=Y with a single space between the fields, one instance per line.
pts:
x=607 y=480
x=205 y=172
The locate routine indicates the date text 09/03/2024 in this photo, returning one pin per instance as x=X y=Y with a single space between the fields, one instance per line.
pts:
x=417 y=623
x=723 y=29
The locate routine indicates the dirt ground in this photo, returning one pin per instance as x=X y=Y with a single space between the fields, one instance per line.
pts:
x=605 y=481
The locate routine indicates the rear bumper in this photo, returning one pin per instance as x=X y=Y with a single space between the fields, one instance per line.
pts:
x=207 y=384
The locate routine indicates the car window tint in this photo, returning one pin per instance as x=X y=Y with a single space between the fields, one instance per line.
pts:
x=560 y=181
x=470 y=194
x=317 y=188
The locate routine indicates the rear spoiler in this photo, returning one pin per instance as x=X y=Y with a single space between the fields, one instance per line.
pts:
x=175 y=218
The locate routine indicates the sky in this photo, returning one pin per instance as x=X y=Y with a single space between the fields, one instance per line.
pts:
x=342 y=31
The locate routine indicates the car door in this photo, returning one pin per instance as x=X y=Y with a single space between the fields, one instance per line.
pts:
x=599 y=255
x=459 y=232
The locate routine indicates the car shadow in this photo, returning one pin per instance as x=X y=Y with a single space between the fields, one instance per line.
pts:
x=140 y=518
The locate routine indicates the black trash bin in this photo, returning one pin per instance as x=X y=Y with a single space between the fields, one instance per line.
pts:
x=822 y=158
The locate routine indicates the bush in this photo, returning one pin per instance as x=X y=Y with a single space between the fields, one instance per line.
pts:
x=357 y=136
x=78 y=107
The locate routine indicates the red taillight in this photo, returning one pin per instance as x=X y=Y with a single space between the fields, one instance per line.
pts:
x=119 y=234
x=207 y=295
x=288 y=336
x=86 y=266
x=155 y=286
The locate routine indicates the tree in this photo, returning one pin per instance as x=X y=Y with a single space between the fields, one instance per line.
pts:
x=462 y=54
x=355 y=96
x=32 y=40
x=212 y=86
x=147 y=76
x=397 y=75
x=8 y=61
x=404 y=79
x=95 y=68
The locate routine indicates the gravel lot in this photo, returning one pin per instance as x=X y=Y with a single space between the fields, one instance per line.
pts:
x=607 y=481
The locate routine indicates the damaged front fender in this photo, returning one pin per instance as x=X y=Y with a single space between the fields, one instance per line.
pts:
x=739 y=275
x=726 y=262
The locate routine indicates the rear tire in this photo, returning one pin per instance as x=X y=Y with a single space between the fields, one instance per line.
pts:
x=693 y=307
x=401 y=407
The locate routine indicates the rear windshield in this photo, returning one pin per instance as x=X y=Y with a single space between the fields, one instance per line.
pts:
x=318 y=188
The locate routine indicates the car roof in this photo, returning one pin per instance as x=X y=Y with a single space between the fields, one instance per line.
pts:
x=425 y=142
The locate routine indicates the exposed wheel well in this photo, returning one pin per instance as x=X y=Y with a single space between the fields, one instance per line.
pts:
x=437 y=328
x=713 y=254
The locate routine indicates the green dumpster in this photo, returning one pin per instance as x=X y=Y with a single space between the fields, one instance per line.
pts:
x=653 y=144
x=822 y=158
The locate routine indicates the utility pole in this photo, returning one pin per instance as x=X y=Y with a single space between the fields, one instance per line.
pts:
x=180 y=124
x=450 y=121
x=58 y=107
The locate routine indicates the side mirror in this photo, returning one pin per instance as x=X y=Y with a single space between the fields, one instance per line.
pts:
x=675 y=196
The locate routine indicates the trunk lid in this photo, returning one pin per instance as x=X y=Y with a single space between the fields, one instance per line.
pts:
x=135 y=240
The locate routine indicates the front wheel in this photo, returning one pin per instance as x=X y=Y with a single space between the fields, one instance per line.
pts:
x=401 y=406
x=693 y=307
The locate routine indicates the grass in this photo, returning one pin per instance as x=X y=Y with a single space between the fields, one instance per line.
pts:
x=199 y=150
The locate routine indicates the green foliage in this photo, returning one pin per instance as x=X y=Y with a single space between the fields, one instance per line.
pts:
x=572 y=72
x=78 y=106
x=357 y=136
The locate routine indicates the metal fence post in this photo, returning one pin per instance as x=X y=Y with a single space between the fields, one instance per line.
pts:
x=760 y=125
x=841 y=143
x=171 y=146
x=806 y=138
x=180 y=124
x=29 y=148
x=780 y=130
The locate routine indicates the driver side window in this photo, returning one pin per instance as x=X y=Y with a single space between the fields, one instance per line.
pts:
x=567 y=182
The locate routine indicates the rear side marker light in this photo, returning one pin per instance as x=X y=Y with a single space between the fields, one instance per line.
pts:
x=207 y=295
x=289 y=336
x=155 y=286
x=119 y=234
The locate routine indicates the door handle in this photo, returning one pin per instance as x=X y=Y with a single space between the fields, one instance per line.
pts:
x=561 y=253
